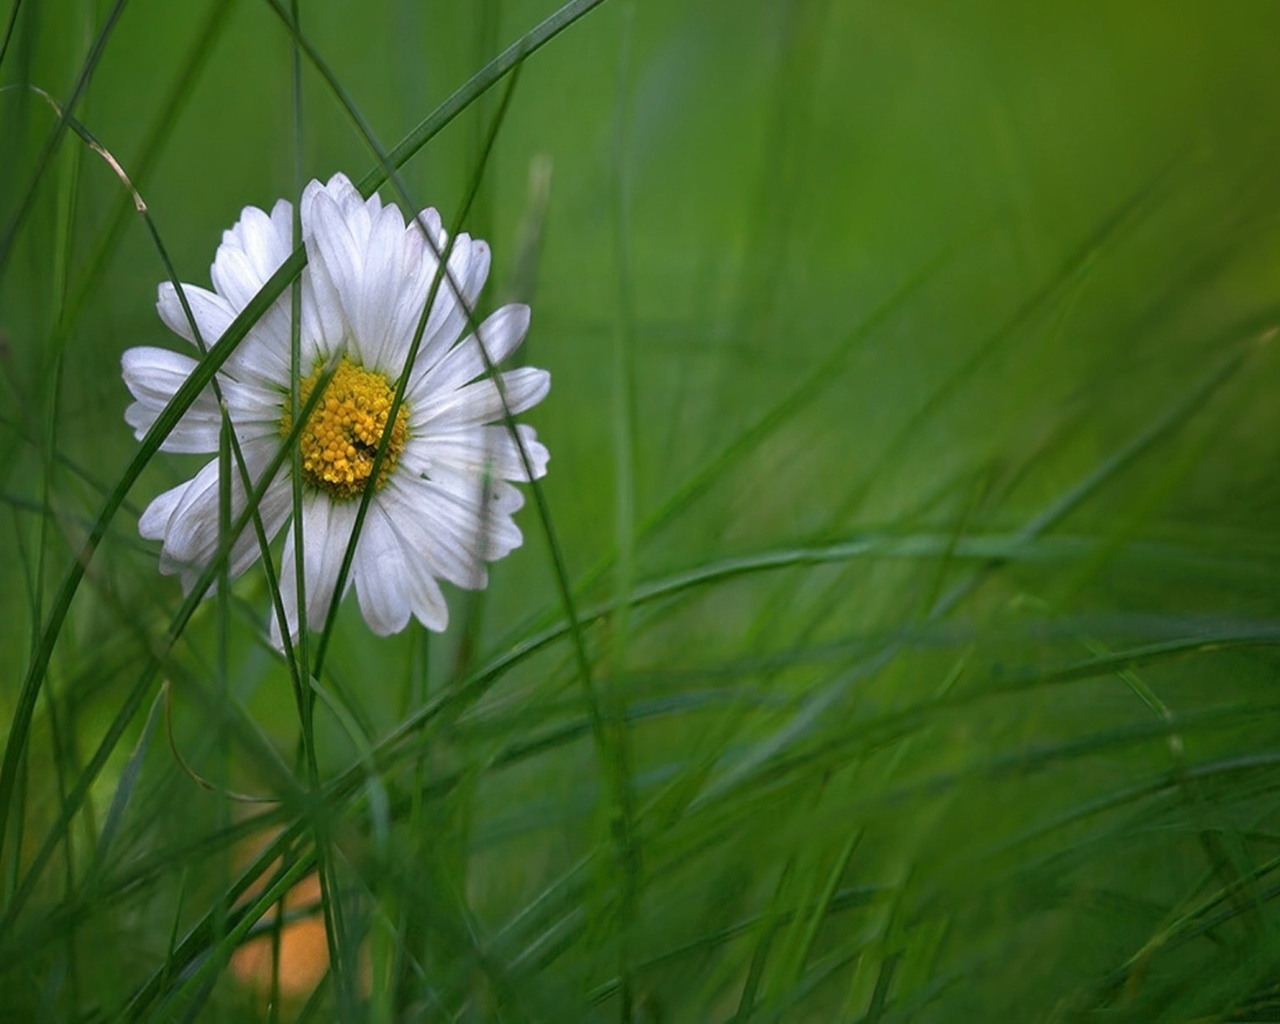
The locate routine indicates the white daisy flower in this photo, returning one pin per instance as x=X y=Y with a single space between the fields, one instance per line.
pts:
x=441 y=505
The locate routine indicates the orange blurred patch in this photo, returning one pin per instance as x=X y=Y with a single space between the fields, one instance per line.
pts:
x=304 y=943
x=304 y=948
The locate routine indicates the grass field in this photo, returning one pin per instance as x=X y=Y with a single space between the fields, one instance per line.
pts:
x=895 y=633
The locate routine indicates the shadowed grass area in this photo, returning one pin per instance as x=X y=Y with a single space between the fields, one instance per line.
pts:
x=894 y=634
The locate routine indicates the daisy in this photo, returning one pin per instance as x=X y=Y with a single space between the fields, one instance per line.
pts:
x=442 y=502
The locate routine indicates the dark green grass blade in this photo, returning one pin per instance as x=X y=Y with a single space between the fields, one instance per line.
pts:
x=9 y=28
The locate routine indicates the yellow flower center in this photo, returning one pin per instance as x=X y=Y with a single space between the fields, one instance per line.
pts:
x=340 y=439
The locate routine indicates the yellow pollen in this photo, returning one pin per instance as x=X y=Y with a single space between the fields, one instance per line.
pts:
x=340 y=439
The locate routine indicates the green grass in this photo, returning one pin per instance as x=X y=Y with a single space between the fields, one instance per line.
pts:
x=894 y=636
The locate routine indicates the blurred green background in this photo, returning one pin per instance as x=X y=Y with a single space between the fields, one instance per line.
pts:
x=913 y=432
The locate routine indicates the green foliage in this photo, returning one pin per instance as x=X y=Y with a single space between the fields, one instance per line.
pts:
x=895 y=634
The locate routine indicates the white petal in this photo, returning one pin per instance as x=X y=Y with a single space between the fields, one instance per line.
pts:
x=481 y=402
x=287 y=580
x=154 y=521
x=371 y=309
x=260 y=356
x=379 y=570
x=186 y=518
x=494 y=501
x=501 y=335
x=478 y=451
x=239 y=283
x=324 y=324
x=318 y=336
x=256 y=411
x=213 y=314
x=453 y=531
x=335 y=254
x=274 y=510
x=468 y=270
x=443 y=529
x=267 y=239
x=417 y=268
x=430 y=230
x=393 y=579
x=326 y=530
x=249 y=254
x=282 y=224
x=191 y=533
x=352 y=205
x=153 y=376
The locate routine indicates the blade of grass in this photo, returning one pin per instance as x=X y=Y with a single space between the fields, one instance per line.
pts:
x=55 y=137
x=630 y=863
x=9 y=29
x=149 y=152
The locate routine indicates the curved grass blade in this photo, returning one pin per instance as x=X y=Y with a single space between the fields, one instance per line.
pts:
x=209 y=365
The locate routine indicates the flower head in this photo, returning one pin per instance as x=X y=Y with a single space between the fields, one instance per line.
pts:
x=442 y=501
